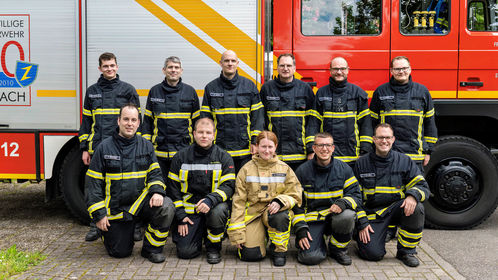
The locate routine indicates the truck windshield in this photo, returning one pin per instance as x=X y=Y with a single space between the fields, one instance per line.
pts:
x=345 y=17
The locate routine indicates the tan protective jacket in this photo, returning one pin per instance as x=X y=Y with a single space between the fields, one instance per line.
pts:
x=258 y=183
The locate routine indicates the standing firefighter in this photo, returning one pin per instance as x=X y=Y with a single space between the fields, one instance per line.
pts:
x=232 y=101
x=202 y=180
x=330 y=197
x=101 y=106
x=266 y=191
x=343 y=108
x=393 y=190
x=288 y=104
x=172 y=109
x=124 y=182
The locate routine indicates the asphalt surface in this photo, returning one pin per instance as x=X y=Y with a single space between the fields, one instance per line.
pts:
x=474 y=253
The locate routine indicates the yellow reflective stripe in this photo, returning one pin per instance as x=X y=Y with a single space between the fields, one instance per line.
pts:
x=361 y=214
x=372 y=217
x=429 y=113
x=346 y=158
x=310 y=139
x=83 y=137
x=339 y=115
x=215 y=180
x=126 y=175
x=107 y=195
x=87 y=113
x=96 y=206
x=410 y=113
x=136 y=204
x=280 y=114
x=156 y=183
x=421 y=193
x=226 y=177
x=95 y=174
x=414 y=181
x=173 y=177
x=173 y=116
x=338 y=244
x=351 y=201
x=152 y=241
x=178 y=203
x=115 y=217
x=205 y=109
x=255 y=132
x=165 y=154
x=235 y=226
x=214 y=237
x=196 y=114
x=322 y=195
x=416 y=156
x=314 y=113
x=153 y=166
x=349 y=182
x=148 y=113
x=292 y=157
x=364 y=113
x=368 y=139
x=382 y=189
x=106 y=111
x=298 y=218
x=222 y=194
x=256 y=106
x=409 y=234
x=379 y=212
x=237 y=153
x=374 y=115
x=184 y=180
x=157 y=232
x=224 y=111
x=407 y=244
x=147 y=137
x=430 y=139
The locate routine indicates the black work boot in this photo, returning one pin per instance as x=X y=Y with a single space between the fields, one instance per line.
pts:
x=391 y=234
x=213 y=257
x=279 y=258
x=93 y=233
x=153 y=257
x=341 y=257
x=408 y=259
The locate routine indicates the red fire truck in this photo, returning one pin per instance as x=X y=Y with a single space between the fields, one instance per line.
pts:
x=49 y=57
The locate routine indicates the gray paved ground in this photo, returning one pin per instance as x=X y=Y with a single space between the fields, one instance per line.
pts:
x=71 y=258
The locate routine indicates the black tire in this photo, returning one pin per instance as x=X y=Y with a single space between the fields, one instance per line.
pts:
x=72 y=184
x=463 y=178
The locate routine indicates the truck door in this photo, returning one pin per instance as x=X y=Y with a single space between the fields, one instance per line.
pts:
x=478 y=73
x=357 y=30
x=426 y=31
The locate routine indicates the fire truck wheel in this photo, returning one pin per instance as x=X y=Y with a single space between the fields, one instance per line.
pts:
x=72 y=183
x=463 y=179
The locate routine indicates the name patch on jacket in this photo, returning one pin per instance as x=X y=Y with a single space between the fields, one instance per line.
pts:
x=325 y=98
x=273 y=98
x=278 y=175
x=265 y=180
x=96 y=95
x=367 y=175
x=388 y=97
x=216 y=94
x=113 y=157
x=160 y=100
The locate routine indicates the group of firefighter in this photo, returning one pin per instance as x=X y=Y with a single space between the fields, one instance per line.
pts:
x=256 y=164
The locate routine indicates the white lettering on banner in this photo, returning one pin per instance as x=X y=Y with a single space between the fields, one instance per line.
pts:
x=14 y=147
x=16 y=71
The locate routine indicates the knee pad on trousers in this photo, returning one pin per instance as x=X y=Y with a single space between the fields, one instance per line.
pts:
x=218 y=216
x=188 y=252
x=166 y=213
x=343 y=223
x=251 y=254
x=311 y=257
x=416 y=220
x=279 y=221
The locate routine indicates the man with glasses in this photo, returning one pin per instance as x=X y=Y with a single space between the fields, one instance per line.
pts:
x=288 y=104
x=393 y=190
x=330 y=196
x=344 y=112
x=408 y=107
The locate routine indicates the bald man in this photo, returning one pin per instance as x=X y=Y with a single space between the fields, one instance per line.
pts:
x=233 y=102
x=344 y=112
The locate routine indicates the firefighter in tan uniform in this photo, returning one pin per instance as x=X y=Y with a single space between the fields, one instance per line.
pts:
x=266 y=191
